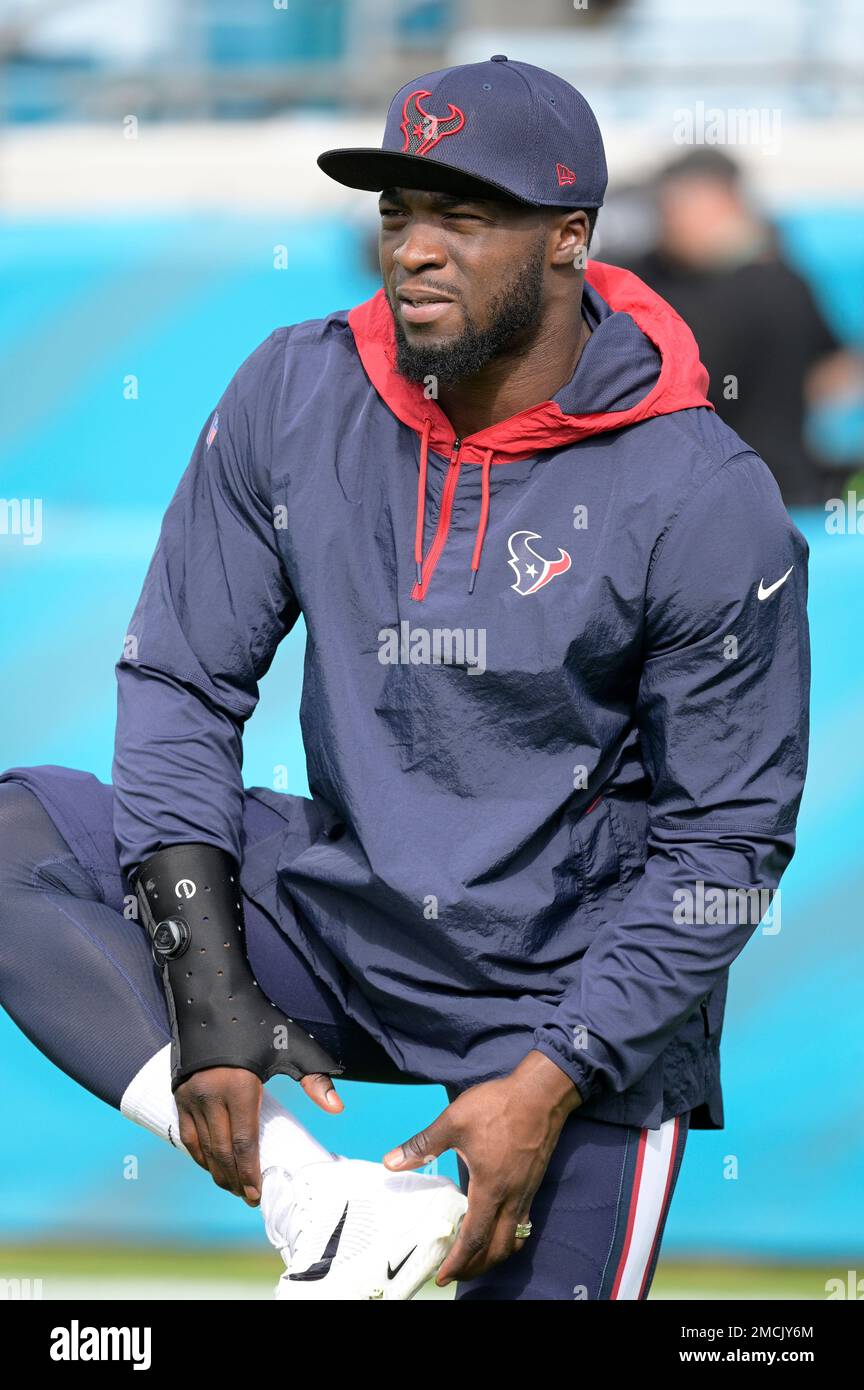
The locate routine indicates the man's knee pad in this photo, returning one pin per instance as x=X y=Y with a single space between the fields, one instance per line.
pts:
x=191 y=905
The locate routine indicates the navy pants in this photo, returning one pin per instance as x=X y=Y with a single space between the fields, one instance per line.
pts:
x=77 y=977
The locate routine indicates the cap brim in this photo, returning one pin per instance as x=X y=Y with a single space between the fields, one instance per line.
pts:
x=374 y=170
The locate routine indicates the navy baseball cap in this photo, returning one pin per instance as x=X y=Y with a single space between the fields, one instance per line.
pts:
x=487 y=129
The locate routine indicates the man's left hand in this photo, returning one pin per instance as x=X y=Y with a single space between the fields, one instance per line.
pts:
x=505 y=1131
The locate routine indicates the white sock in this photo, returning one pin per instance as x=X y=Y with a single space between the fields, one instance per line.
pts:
x=283 y=1142
x=149 y=1101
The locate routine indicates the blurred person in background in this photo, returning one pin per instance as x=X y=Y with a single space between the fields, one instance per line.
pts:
x=768 y=348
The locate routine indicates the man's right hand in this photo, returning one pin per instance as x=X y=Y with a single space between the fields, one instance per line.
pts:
x=219 y=1112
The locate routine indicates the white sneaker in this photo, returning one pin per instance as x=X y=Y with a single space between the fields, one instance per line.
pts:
x=354 y=1230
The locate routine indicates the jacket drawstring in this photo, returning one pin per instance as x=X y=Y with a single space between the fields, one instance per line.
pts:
x=484 y=518
x=421 y=499
x=421 y=508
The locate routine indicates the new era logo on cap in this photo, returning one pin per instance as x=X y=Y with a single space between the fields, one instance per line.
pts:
x=491 y=128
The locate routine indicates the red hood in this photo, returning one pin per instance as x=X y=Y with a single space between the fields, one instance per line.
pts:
x=682 y=381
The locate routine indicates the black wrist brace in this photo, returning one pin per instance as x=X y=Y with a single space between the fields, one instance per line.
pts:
x=191 y=905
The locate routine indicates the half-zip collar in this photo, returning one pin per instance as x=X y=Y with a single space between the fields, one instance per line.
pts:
x=444 y=514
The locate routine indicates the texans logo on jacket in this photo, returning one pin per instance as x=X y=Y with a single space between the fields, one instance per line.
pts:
x=530 y=569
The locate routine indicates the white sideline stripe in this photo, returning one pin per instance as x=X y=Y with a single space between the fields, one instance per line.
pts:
x=658 y=1158
x=268 y=165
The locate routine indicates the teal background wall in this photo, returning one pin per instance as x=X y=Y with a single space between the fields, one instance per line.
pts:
x=179 y=304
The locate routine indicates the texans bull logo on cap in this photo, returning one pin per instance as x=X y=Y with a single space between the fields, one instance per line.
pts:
x=423 y=130
x=526 y=135
x=530 y=569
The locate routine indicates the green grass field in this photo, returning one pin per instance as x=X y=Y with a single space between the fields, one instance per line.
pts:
x=75 y=1271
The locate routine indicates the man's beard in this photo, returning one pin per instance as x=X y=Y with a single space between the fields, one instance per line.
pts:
x=513 y=312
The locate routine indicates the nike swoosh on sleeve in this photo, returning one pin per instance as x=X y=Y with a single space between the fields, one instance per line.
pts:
x=764 y=593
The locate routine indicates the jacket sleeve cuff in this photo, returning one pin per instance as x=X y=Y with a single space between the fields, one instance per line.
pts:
x=580 y=1071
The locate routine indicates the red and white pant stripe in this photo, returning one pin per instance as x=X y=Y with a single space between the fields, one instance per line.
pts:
x=649 y=1201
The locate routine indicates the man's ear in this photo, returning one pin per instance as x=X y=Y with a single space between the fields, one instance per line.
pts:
x=572 y=236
